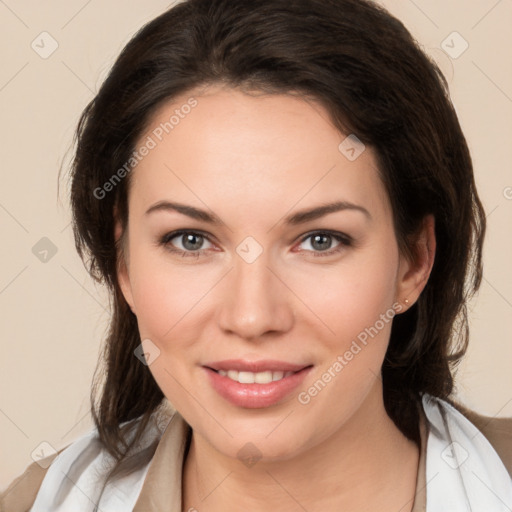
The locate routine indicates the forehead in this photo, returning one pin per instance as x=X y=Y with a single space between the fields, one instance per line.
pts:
x=251 y=151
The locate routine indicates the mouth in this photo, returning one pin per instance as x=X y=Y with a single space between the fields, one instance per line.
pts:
x=255 y=372
x=254 y=378
x=255 y=384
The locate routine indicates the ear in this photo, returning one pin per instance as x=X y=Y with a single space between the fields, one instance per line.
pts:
x=123 y=274
x=414 y=270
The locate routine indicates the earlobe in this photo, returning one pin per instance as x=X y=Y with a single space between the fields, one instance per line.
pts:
x=414 y=272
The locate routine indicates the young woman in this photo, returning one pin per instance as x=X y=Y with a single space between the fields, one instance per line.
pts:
x=280 y=198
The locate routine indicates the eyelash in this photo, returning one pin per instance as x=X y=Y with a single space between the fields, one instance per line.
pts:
x=345 y=241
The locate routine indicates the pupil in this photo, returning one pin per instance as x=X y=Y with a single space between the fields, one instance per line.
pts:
x=189 y=238
x=317 y=237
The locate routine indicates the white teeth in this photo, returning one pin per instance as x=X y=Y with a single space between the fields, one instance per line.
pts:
x=233 y=374
x=277 y=375
x=263 y=377
x=246 y=377
x=251 y=377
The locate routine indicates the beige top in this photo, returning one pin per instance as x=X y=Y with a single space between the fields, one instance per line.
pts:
x=162 y=488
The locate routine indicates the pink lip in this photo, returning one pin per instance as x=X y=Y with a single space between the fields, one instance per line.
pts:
x=253 y=396
x=255 y=366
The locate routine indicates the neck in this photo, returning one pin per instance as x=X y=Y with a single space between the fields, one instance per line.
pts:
x=366 y=465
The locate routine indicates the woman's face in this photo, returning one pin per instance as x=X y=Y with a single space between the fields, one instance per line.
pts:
x=265 y=283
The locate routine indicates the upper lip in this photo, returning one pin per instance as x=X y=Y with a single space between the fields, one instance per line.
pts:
x=255 y=366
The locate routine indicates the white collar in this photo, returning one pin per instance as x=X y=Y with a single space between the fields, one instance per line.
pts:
x=463 y=471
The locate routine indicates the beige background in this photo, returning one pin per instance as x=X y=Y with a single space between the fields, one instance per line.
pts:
x=53 y=317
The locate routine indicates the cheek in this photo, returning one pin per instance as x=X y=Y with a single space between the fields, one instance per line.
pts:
x=337 y=302
x=165 y=298
x=351 y=296
x=356 y=303
x=169 y=295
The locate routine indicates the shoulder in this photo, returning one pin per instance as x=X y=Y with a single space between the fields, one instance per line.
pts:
x=50 y=473
x=22 y=492
x=52 y=481
x=470 y=456
x=498 y=432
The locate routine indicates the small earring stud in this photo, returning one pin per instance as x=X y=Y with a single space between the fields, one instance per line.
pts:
x=406 y=301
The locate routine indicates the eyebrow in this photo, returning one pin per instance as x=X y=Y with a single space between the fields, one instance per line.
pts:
x=299 y=217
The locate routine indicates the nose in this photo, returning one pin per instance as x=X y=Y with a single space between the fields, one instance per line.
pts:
x=255 y=303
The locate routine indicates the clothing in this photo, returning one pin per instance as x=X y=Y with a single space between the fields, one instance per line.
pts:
x=459 y=468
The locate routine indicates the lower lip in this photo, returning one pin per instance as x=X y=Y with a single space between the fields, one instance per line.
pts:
x=255 y=396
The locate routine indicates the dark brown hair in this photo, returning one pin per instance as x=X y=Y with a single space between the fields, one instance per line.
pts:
x=366 y=69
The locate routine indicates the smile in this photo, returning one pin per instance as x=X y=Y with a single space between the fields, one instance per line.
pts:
x=254 y=378
x=255 y=384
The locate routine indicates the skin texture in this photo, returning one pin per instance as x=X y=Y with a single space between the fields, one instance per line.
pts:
x=252 y=160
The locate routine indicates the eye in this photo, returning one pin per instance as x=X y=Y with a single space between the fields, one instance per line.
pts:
x=191 y=242
x=321 y=242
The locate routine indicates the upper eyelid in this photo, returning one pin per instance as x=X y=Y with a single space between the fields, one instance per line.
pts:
x=180 y=232
x=301 y=238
